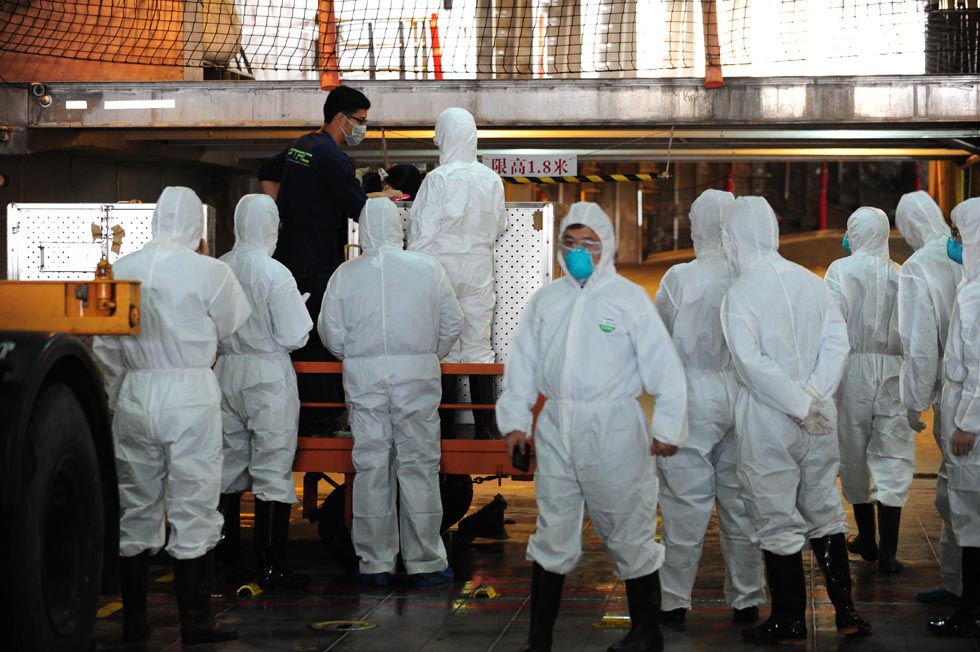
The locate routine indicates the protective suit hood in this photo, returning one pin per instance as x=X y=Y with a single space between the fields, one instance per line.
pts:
x=178 y=217
x=920 y=219
x=707 y=213
x=257 y=223
x=380 y=227
x=966 y=217
x=591 y=215
x=456 y=136
x=750 y=233
x=867 y=231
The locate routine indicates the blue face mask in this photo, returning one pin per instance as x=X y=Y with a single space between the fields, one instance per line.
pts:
x=846 y=244
x=579 y=264
x=954 y=249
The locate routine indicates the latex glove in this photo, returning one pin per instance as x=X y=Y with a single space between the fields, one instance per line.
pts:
x=915 y=420
x=662 y=449
x=962 y=442
x=390 y=193
x=814 y=394
x=515 y=438
x=816 y=421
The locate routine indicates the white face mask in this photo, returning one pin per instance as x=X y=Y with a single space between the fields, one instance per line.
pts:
x=354 y=138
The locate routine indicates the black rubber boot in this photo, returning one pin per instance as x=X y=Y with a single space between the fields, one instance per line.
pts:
x=192 y=579
x=864 y=543
x=447 y=418
x=675 y=618
x=643 y=596
x=965 y=621
x=271 y=535
x=481 y=392
x=831 y=554
x=889 y=519
x=746 y=615
x=546 y=590
x=787 y=586
x=133 y=579
x=228 y=552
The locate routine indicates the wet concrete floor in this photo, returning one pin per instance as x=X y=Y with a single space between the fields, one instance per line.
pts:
x=404 y=618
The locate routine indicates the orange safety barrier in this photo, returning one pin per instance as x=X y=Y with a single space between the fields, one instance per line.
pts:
x=316 y=455
x=450 y=368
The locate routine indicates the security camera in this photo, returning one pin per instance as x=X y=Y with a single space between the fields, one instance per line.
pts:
x=38 y=89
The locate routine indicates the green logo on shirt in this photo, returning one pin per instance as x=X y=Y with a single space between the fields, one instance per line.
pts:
x=299 y=156
x=607 y=324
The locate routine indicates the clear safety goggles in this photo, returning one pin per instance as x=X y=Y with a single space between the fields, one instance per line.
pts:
x=592 y=246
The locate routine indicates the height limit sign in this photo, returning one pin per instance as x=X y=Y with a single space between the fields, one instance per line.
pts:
x=535 y=165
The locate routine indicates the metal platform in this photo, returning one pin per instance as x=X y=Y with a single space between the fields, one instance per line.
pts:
x=781 y=118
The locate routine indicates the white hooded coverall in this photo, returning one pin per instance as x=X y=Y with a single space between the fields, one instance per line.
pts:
x=877 y=445
x=926 y=290
x=167 y=403
x=259 y=400
x=961 y=389
x=704 y=470
x=591 y=351
x=786 y=336
x=457 y=217
x=390 y=315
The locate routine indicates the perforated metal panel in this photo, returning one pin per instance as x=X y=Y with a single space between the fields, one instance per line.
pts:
x=522 y=261
x=54 y=241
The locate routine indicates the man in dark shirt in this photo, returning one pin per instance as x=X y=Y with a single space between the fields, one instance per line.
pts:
x=315 y=187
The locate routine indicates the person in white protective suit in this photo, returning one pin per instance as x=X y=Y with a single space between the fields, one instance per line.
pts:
x=926 y=289
x=877 y=446
x=390 y=315
x=591 y=342
x=789 y=343
x=260 y=402
x=167 y=417
x=704 y=470
x=961 y=424
x=457 y=217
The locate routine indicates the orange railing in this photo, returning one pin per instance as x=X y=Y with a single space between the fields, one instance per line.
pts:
x=318 y=455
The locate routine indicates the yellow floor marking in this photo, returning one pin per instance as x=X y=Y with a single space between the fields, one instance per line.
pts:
x=108 y=610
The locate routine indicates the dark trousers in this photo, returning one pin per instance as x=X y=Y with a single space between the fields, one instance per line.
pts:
x=317 y=388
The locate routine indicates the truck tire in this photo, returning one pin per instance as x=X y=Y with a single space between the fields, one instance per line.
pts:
x=56 y=531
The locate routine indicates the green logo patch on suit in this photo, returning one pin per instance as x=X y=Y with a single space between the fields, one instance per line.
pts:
x=607 y=324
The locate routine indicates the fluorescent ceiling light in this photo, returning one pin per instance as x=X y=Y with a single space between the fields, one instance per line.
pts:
x=76 y=104
x=140 y=104
x=395 y=133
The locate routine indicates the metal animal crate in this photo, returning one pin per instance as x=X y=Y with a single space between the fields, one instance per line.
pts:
x=54 y=242
x=523 y=261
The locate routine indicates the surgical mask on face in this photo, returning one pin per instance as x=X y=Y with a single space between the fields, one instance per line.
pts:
x=954 y=249
x=846 y=244
x=579 y=264
x=354 y=138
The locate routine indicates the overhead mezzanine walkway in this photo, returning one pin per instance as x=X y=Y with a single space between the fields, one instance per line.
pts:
x=790 y=118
